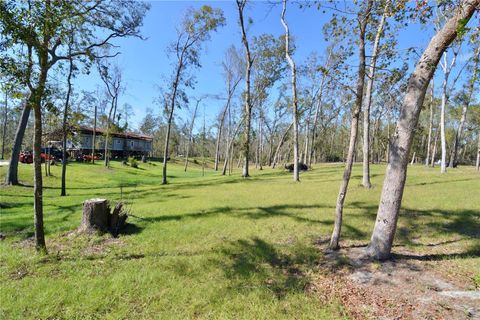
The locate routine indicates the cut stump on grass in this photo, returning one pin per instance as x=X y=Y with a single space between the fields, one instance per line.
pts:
x=98 y=217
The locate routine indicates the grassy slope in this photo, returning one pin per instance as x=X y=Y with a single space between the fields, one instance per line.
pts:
x=209 y=247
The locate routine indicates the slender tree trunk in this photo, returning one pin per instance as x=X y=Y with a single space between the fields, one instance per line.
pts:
x=170 y=117
x=334 y=240
x=107 y=136
x=386 y=222
x=190 y=135
x=94 y=133
x=459 y=132
x=279 y=146
x=228 y=158
x=368 y=100
x=296 y=176
x=5 y=119
x=429 y=140
x=12 y=174
x=64 y=126
x=248 y=104
x=477 y=164
x=434 y=151
x=446 y=70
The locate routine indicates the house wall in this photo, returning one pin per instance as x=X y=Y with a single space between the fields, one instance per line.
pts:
x=116 y=143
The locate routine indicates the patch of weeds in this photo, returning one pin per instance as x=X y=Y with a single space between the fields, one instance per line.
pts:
x=476 y=281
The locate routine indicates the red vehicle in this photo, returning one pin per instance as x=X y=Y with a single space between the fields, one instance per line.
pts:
x=26 y=157
x=88 y=157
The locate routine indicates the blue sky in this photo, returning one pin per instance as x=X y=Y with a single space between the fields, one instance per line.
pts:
x=145 y=63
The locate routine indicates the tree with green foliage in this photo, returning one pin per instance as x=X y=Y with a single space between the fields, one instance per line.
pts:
x=195 y=29
x=394 y=183
x=37 y=33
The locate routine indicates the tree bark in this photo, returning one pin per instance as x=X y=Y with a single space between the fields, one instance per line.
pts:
x=94 y=137
x=429 y=140
x=12 y=174
x=190 y=136
x=248 y=104
x=363 y=17
x=296 y=176
x=459 y=132
x=64 y=125
x=385 y=226
x=5 y=119
x=434 y=151
x=368 y=100
x=477 y=164
x=280 y=144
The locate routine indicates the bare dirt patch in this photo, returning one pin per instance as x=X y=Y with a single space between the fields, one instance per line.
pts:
x=409 y=286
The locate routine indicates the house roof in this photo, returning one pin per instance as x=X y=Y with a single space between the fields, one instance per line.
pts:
x=127 y=134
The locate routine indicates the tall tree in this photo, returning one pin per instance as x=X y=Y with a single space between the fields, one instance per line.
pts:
x=363 y=20
x=386 y=222
x=296 y=176
x=196 y=28
x=65 y=117
x=42 y=27
x=368 y=97
x=247 y=99
x=467 y=97
x=111 y=76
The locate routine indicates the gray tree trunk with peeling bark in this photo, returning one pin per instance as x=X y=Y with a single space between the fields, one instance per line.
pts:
x=368 y=99
x=459 y=132
x=363 y=17
x=296 y=176
x=389 y=207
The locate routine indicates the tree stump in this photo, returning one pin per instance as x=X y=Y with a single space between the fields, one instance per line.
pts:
x=96 y=214
x=117 y=219
x=98 y=217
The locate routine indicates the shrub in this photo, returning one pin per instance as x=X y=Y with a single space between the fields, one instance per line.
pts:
x=133 y=162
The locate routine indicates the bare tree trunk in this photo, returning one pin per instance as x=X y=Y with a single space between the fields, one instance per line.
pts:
x=38 y=183
x=368 y=100
x=334 y=240
x=107 y=136
x=446 y=70
x=434 y=151
x=386 y=222
x=248 y=104
x=477 y=164
x=280 y=144
x=413 y=159
x=64 y=124
x=12 y=174
x=228 y=158
x=94 y=133
x=459 y=132
x=296 y=176
x=190 y=135
x=429 y=140
x=5 y=119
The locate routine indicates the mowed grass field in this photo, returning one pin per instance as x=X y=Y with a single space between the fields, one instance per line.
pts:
x=211 y=247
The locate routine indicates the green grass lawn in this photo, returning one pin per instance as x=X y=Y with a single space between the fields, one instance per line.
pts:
x=210 y=247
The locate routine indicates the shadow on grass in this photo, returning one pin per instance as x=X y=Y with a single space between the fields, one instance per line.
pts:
x=258 y=264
